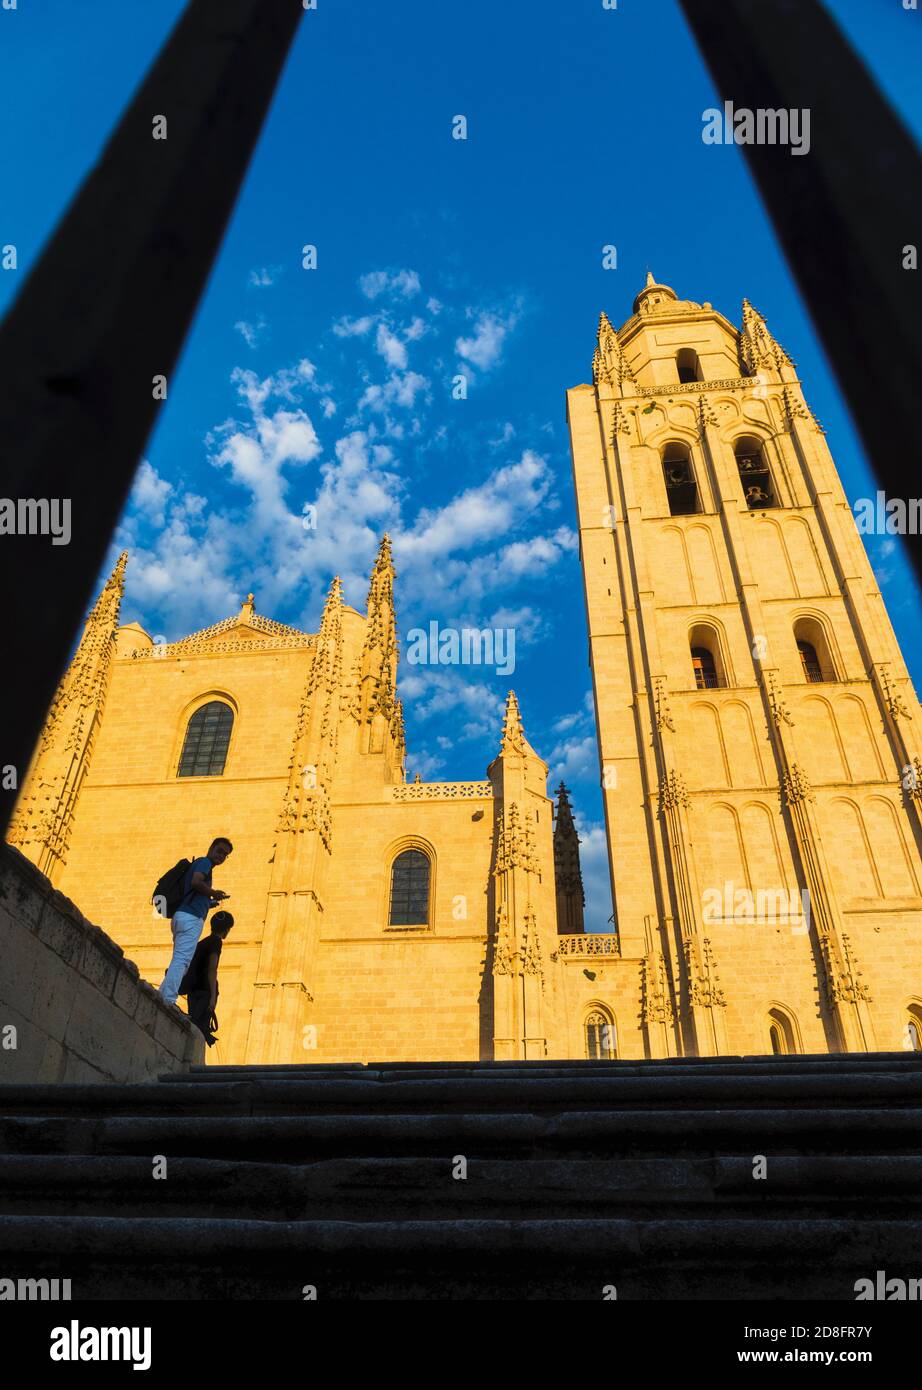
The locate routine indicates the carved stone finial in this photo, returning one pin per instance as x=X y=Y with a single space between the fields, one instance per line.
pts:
x=673 y=792
x=655 y=995
x=706 y=414
x=757 y=346
x=895 y=702
x=661 y=704
x=702 y=975
x=780 y=712
x=609 y=363
x=797 y=785
x=620 y=423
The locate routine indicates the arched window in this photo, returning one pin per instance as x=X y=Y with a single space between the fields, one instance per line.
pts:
x=410 y=889
x=755 y=475
x=705 y=669
x=782 y=1032
x=600 y=1037
x=707 y=658
x=810 y=661
x=813 y=650
x=913 y=1037
x=687 y=365
x=679 y=477
x=204 y=749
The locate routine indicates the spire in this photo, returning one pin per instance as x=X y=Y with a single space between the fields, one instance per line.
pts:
x=609 y=363
x=306 y=804
x=570 y=896
x=513 y=738
x=374 y=682
x=332 y=606
x=44 y=814
x=379 y=652
x=650 y=281
x=758 y=348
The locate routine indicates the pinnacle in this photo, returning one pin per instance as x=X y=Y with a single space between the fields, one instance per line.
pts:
x=333 y=602
x=513 y=738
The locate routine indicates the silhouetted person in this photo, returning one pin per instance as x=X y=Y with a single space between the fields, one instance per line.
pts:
x=189 y=918
x=200 y=982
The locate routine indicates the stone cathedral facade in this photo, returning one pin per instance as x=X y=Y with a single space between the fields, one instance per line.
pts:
x=760 y=753
x=759 y=736
x=375 y=919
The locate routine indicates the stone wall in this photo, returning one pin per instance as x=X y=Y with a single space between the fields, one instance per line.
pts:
x=79 y=1008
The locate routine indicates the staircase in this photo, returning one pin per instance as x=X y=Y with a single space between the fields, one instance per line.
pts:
x=579 y=1176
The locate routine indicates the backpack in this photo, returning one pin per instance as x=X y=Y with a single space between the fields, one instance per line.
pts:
x=170 y=891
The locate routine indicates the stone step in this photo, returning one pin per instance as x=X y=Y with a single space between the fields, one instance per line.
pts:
x=424 y=1188
x=157 y=1258
x=588 y=1133
x=265 y=1095
x=814 y=1064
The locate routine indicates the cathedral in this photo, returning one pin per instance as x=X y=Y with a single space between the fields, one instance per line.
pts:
x=759 y=757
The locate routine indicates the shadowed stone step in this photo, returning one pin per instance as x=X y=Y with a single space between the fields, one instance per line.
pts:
x=394 y=1259
x=814 y=1064
x=597 y=1133
x=404 y=1188
x=342 y=1178
x=265 y=1094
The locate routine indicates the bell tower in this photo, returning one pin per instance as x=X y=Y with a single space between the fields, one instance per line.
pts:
x=758 y=731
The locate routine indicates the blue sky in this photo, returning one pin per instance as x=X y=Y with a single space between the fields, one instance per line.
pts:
x=333 y=387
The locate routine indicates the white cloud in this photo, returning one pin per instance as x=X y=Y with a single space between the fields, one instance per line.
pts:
x=581 y=718
x=346 y=327
x=149 y=493
x=391 y=348
x=481 y=513
x=474 y=705
x=574 y=759
x=264 y=277
x=251 y=332
x=484 y=348
x=398 y=283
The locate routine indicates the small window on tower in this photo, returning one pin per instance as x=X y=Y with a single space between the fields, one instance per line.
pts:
x=813 y=649
x=681 y=488
x=705 y=668
x=687 y=365
x=755 y=475
x=810 y=662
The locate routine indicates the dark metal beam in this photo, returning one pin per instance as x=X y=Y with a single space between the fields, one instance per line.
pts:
x=843 y=212
x=105 y=310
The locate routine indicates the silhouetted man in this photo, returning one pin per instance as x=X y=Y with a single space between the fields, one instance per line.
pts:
x=200 y=982
x=189 y=918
